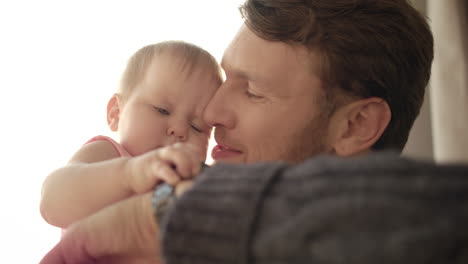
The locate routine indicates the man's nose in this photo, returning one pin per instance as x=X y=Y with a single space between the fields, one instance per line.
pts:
x=218 y=112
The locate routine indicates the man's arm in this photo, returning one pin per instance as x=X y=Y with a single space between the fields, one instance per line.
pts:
x=126 y=230
x=356 y=210
x=379 y=208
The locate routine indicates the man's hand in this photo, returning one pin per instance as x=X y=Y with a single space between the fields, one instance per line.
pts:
x=125 y=232
x=170 y=164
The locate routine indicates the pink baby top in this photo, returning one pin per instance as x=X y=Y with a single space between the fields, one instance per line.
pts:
x=120 y=149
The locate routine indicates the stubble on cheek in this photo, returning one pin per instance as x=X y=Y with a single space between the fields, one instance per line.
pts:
x=305 y=142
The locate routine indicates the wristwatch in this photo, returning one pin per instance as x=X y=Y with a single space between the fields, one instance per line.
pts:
x=163 y=197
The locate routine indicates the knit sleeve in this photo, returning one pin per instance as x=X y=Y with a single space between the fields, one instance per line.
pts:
x=380 y=208
x=212 y=222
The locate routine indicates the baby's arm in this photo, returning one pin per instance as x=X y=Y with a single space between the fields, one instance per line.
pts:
x=91 y=180
x=95 y=178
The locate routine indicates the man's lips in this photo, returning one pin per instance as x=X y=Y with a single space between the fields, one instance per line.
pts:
x=223 y=152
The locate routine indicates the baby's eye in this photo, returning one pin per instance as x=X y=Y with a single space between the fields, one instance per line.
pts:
x=162 y=111
x=252 y=96
x=198 y=130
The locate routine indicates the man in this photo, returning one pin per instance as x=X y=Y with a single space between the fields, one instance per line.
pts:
x=302 y=78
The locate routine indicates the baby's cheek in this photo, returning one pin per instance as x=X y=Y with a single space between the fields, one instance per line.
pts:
x=202 y=146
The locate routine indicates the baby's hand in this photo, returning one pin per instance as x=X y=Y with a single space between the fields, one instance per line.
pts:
x=170 y=164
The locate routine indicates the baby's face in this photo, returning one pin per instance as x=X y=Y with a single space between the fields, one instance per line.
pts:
x=167 y=107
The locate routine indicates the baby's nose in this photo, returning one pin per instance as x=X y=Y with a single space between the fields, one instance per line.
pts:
x=179 y=132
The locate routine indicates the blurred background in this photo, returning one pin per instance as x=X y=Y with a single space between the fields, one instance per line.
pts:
x=441 y=130
x=60 y=61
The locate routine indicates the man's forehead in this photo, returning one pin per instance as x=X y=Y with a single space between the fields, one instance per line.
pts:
x=251 y=57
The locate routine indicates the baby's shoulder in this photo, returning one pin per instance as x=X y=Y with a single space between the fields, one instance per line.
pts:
x=97 y=149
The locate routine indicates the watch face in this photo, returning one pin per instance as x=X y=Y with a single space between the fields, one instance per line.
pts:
x=162 y=196
x=164 y=190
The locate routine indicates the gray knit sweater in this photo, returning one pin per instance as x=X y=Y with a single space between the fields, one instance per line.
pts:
x=376 y=209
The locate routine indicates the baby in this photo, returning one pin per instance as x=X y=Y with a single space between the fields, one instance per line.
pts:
x=158 y=115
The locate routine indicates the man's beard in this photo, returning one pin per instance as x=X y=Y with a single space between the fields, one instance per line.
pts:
x=305 y=143
x=308 y=142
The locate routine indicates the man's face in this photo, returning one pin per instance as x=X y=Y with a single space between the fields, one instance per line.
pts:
x=271 y=105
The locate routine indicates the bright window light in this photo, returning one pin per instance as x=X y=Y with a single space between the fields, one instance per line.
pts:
x=60 y=61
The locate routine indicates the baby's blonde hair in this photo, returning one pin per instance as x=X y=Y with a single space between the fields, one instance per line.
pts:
x=191 y=56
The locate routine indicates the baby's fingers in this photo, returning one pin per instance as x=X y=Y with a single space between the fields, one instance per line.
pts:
x=184 y=162
x=164 y=170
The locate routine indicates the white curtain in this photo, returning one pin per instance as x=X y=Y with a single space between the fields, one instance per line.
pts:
x=448 y=85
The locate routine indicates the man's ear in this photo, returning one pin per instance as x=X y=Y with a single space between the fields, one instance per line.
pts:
x=113 y=112
x=359 y=125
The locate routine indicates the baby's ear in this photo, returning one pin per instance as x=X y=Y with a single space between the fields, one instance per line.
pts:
x=113 y=112
x=362 y=123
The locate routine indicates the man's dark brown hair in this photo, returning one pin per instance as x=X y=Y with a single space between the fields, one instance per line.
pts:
x=368 y=48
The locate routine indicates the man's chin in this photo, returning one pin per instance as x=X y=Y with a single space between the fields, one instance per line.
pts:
x=237 y=159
